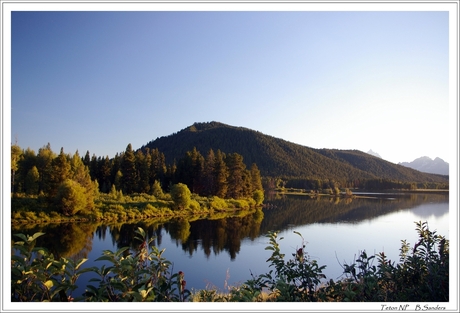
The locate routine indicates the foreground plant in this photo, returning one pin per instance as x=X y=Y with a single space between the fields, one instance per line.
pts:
x=143 y=275
x=37 y=276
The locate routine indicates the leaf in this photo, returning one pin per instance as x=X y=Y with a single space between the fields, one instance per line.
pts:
x=22 y=236
x=93 y=289
x=17 y=259
x=117 y=285
x=297 y=233
x=84 y=270
x=48 y=284
x=121 y=250
x=105 y=258
x=35 y=236
x=80 y=263
x=141 y=232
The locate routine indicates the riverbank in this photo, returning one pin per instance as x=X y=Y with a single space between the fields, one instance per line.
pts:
x=355 y=193
x=35 y=209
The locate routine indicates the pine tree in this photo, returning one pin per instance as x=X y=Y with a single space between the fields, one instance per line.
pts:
x=256 y=180
x=129 y=179
x=208 y=178
x=80 y=174
x=16 y=156
x=60 y=172
x=25 y=164
x=157 y=166
x=45 y=157
x=31 y=181
x=143 y=166
x=236 y=169
x=220 y=175
x=104 y=174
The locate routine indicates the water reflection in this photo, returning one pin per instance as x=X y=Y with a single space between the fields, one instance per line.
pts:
x=290 y=211
x=225 y=233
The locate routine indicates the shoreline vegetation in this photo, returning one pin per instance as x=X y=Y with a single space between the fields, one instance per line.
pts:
x=143 y=274
x=118 y=207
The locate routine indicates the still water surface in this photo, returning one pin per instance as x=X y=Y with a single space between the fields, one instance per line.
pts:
x=222 y=252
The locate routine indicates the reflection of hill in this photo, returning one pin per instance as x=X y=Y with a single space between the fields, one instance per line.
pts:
x=301 y=210
x=426 y=210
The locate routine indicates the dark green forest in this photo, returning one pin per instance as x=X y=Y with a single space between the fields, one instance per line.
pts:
x=224 y=175
x=298 y=166
x=210 y=159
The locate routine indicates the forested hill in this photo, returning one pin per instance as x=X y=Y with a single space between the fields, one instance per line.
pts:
x=279 y=158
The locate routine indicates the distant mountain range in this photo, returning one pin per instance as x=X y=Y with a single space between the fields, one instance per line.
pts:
x=427 y=165
x=280 y=158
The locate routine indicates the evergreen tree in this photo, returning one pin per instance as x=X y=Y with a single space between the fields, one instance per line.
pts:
x=45 y=157
x=87 y=159
x=220 y=175
x=60 y=172
x=129 y=179
x=256 y=180
x=157 y=166
x=104 y=174
x=115 y=173
x=16 y=156
x=25 y=164
x=93 y=168
x=236 y=179
x=80 y=174
x=142 y=167
x=31 y=181
x=208 y=179
x=156 y=190
x=190 y=169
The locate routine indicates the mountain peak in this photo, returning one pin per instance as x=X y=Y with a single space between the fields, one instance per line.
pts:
x=373 y=153
x=200 y=126
x=427 y=165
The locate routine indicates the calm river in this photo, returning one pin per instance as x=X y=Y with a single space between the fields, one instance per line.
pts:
x=223 y=252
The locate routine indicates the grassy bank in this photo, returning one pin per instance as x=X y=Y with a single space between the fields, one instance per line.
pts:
x=118 y=207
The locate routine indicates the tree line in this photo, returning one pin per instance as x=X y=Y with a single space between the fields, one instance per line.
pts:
x=141 y=171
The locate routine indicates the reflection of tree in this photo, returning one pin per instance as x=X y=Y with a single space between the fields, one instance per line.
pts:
x=64 y=239
x=179 y=229
x=301 y=210
x=123 y=234
x=223 y=234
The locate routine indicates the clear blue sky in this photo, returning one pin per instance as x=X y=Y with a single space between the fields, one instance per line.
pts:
x=348 y=80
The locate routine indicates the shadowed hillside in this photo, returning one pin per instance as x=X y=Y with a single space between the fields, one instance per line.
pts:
x=279 y=158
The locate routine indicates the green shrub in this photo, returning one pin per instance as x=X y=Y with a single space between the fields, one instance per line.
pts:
x=71 y=198
x=37 y=276
x=258 y=196
x=194 y=205
x=30 y=216
x=143 y=275
x=218 y=203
